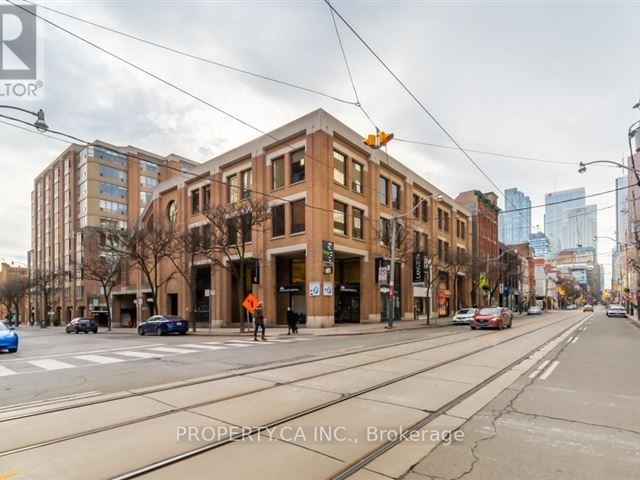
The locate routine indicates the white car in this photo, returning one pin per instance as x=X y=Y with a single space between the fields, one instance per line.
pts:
x=616 y=311
x=534 y=310
x=464 y=316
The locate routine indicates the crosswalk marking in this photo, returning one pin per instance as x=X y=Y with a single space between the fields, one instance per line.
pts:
x=171 y=350
x=244 y=343
x=206 y=347
x=48 y=364
x=99 y=359
x=5 y=371
x=139 y=354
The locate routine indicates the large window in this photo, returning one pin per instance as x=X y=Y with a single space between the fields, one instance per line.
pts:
x=113 y=190
x=232 y=232
x=356 y=225
x=206 y=197
x=195 y=202
x=246 y=223
x=443 y=250
x=232 y=189
x=113 y=207
x=395 y=196
x=443 y=220
x=339 y=218
x=339 y=168
x=277 y=221
x=148 y=182
x=297 y=216
x=385 y=231
x=149 y=166
x=114 y=173
x=358 y=177
x=145 y=197
x=247 y=184
x=297 y=166
x=277 y=173
x=384 y=191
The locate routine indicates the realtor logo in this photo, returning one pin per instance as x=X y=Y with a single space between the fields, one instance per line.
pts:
x=18 y=42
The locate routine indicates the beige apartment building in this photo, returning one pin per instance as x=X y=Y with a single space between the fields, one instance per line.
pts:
x=101 y=185
x=323 y=185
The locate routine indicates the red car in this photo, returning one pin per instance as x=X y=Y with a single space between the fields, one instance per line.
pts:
x=492 y=317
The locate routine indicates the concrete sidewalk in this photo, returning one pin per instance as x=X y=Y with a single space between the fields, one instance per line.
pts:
x=281 y=330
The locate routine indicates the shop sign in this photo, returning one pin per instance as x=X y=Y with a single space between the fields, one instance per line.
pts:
x=418 y=267
x=346 y=288
x=290 y=288
x=327 y=289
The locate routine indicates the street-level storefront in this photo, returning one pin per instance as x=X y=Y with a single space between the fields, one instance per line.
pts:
x=347 y=290
x=383 y=269
x=291 y=287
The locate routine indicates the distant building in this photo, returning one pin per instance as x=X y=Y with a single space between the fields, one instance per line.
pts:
x=580 y=227
x=514 y=223
x=539 y=242
x=556 y=206
x=622 y=210
x=7 y=274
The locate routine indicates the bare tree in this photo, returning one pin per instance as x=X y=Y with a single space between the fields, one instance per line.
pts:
x=233 y=226
x=12 y=292
x=145 y=246
x=431 y=279
x=103 y=264
x=459 y=261
x=44 y=281
x=188 y=245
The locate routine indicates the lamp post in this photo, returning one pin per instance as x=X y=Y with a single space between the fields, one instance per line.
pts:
x=39 y=124
x=394 y=233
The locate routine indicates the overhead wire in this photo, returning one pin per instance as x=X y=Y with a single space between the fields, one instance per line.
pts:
x=191 y=55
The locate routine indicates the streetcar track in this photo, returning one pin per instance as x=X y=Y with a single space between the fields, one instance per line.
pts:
x=270 y=425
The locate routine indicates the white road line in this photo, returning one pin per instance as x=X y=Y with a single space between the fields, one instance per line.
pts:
x=244 y=343
x=5 y=371
x=575 y=340
x=49 y=364
x=206 y=347
x=213 y=343
x=549 y=370
x=539 y=369
x=569 y=339
x=139 y=354
x=75 y=396
x=99 y=359
x=71 y=354
x=171 y=350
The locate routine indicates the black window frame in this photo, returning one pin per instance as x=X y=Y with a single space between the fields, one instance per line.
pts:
x=278 y=221
x=383 y=190
x=297 y=175
x=279 y=161
x=299 y=207
x=341 y=210
x=357 y=213
x=357 y=182
x=396 y=196
x=344 y=181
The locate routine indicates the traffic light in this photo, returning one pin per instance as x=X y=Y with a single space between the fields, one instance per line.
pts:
x=371 y=141
x=384 y=138
x=378 y=140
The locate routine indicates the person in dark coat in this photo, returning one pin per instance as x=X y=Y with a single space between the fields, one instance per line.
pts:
x=258 y=317
x=292 y=321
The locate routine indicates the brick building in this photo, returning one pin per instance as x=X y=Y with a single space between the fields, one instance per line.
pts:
x=322 y=185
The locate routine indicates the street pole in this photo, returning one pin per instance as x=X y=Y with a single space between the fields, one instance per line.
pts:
x=392 y=310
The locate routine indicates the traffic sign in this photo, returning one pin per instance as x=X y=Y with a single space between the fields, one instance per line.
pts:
x=251 y=303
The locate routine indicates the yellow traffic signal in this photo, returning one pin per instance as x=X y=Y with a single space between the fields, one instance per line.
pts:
x=371 y=141
x=384 y=138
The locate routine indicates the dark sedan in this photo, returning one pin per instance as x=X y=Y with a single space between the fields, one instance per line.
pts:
x=80 y=324
x=163 y=324
x=492 y=317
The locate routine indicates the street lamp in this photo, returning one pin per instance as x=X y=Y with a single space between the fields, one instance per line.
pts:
x=394 y=233
x=39 y=124
x=582 y=167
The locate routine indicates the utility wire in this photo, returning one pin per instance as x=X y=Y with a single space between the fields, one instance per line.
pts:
x=420 y=104
x=193 y=56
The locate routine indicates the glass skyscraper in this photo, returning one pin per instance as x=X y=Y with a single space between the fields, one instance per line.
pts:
x=515 y=222
x=556 y=206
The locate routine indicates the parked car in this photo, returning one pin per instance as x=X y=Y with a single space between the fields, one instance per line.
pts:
x=163 y=324
x=8 y=338
x=492 y=317
x=534 y=310
x=464 y=316
x=616 y=310
x=82 y=324
x=573 y=306
x=588 y=308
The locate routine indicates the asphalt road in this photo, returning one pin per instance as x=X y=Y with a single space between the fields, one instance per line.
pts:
x=575 y=415
x=51 y=363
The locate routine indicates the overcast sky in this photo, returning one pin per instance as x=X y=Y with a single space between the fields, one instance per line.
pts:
x=548 y=80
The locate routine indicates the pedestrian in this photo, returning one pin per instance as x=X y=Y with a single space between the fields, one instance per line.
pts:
x=258 y=318
x=292 y=321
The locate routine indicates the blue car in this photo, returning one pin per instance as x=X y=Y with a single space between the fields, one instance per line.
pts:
x=163 y=324
x=8 y=338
